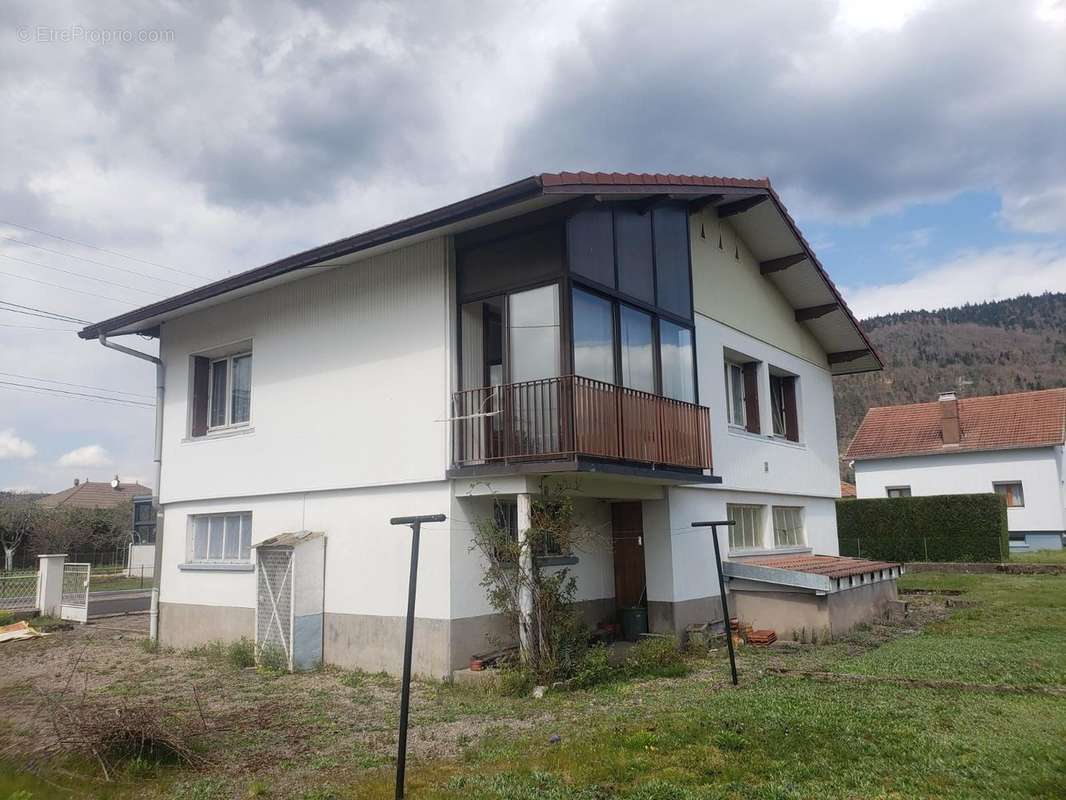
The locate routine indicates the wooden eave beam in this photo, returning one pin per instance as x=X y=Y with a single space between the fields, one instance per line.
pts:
x=778 y=264
x=700 y=203
x=814 y=312
x=845 y=356
x=740 y=206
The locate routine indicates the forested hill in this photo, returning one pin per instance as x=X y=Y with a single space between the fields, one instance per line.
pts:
x=986 y=348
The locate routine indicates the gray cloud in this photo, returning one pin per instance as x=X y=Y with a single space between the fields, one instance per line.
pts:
x=967 y=95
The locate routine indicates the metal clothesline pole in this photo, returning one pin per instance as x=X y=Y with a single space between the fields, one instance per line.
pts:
x=713 y=525
x=415 y=524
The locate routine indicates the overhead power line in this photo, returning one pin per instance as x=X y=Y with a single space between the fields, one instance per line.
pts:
x=93 y=261
x=67 y=288
x=55 y=314
x=33 y=314
x=64 y=393
x=37 y=328
x=76 y=385
x=83 y=276
x=104 y=250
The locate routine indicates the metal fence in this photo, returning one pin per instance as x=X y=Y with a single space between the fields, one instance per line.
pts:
x=18 y=590
x=100 y=559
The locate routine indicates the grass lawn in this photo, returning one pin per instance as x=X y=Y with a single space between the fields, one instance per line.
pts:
x=116 y=580
x=776 y=737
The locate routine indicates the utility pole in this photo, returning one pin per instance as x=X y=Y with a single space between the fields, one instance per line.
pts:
x=415 y=524
x=713 y=525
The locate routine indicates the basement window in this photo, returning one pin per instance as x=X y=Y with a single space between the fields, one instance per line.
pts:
x=788 y=526
x=220 y=538
x=898 y=491
x=1011 y=492
x=746 y=533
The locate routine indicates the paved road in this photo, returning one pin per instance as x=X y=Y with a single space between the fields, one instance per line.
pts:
x=124 y=602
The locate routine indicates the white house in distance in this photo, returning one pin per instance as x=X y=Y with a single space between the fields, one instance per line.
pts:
x=1011 y=444
x=599 y=329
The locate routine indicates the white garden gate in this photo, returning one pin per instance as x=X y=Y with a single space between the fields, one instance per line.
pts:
x=75 y=606
x=273 y=608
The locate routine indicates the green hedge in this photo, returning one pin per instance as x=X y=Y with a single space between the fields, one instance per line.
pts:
x=947 y=527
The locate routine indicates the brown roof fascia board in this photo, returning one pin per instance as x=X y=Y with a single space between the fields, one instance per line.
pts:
x=455 y=212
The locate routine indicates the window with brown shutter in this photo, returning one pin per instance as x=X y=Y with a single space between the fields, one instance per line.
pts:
x=201 y=369
x=783 y=405
x=751 y=396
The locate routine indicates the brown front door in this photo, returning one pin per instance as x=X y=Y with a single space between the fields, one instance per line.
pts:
x=627 y=531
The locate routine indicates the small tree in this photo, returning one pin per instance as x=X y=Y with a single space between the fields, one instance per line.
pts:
x=552 y=635
x=17 y=520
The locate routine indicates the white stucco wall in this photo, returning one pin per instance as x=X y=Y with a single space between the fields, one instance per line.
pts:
x=1039 y=470
x=350 y=377
x=760 y=462
x=367 y=559
x=692 y=551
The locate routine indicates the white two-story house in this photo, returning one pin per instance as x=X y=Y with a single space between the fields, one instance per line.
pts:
x=1011 y=444
x=663 y=344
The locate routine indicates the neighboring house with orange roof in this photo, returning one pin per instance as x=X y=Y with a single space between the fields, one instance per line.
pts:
x=847 y=490
x=1011 y=444
x=94 y=494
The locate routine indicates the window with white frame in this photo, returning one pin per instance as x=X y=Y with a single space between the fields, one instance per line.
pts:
x=1011 y=491
x=221 y=391
x=788 y=526
x=220 y=538
x=735 y=398
x=231 y=390
x=746 y=533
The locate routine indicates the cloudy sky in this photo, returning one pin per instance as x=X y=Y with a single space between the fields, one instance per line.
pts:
x=920 y=145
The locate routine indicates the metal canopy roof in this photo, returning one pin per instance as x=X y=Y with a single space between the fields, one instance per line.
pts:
x=751 y=205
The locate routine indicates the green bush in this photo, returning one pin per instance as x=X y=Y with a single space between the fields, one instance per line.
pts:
x=516 y=680
x=948 y=527
x=6 y=618
x=594 y=668
x=241 y=654
x=656 y=656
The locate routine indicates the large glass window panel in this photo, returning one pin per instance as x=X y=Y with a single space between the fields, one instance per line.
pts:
x=637 y=346
x=593 y=336
x=232 y=547
x=218 y=392
x=788 y=526
x=533 y=331
x=675 y=344
x=242 y=389
x=246 y=536
x=632 y=233
x=217 y=532
x=746 y=532
x=590 y=239
x=482 y=345
x=672 y=275
x=200 y=535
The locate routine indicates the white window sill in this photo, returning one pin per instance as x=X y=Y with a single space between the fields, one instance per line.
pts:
x=220 y=433
x=217 y=566
x=742 y=433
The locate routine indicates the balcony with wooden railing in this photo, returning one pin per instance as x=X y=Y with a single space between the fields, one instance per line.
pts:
x=573 y=417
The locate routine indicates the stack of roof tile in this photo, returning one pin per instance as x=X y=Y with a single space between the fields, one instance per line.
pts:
x=762 y=638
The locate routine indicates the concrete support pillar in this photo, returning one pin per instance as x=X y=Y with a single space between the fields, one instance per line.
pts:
x=50 y=584
x=525 y=598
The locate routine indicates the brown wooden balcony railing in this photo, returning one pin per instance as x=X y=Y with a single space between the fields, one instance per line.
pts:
x=571 y=416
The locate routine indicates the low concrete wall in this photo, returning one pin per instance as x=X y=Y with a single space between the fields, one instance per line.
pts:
x=859 y=604
x=795 y=613
x=667 y=617
x=141 y=560
x=184 y=625
x=790 y=614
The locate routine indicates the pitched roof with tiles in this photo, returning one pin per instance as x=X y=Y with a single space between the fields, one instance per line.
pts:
x=847 y=489
x=829 y=566
x=90 y=494
x=998 y=422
